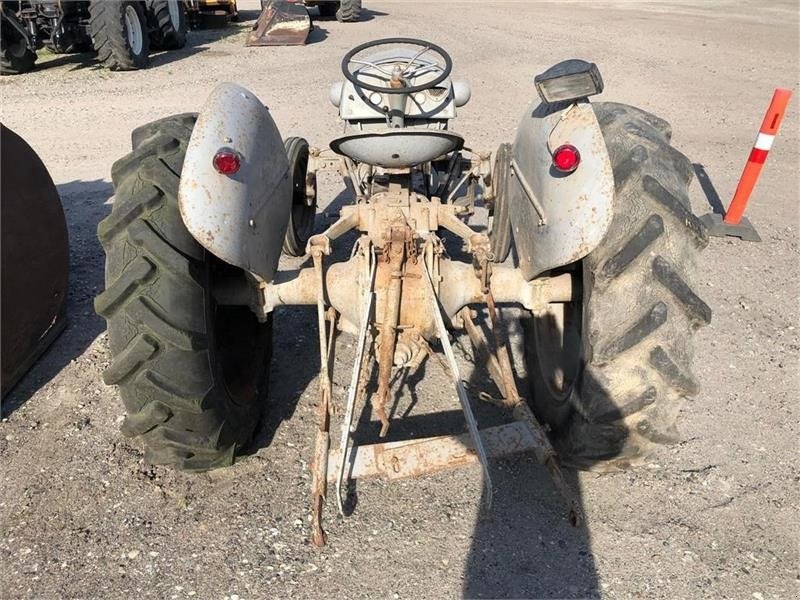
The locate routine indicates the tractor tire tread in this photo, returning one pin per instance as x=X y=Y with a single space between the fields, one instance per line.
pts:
x=110 y=41
x=155 y=303
x=349 y=11
x=632 y=384
x=9 y=63
x=164 y=35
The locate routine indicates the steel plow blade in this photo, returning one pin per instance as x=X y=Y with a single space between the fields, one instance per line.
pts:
x=281 y=23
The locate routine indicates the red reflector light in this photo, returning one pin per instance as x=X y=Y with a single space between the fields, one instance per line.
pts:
x=566 y=158
x=227 y=161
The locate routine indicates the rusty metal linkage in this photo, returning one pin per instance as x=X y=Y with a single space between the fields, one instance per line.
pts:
x=402 y=304
x=358 y=381
x=472 y=424
x=501 y=371
x=394 y=253
x=319 y=475
x=413 y=458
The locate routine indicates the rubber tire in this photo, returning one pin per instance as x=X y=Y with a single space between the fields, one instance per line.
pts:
x=164 y=36
x=500 y=235
x=171 y=355
x=328 y=9
x=639 y=311
x=349 y=11
x=301 y=217
x=12 y=63
x=109 y=37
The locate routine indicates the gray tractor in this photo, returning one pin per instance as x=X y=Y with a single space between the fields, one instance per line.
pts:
x=590 y=196
x=121 y=32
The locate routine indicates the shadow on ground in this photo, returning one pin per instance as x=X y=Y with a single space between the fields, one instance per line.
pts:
x=85 y=205
x=196 y=40
x=524 y=547
x=710 y=191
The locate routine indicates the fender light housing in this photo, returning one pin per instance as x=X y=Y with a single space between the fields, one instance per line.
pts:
x=569 y=80
x=227 y=161
x=566 y=158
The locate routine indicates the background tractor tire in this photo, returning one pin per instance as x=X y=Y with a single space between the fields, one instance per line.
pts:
x=328 y=9
x=500 y=228
x=304 y=210
x=119 y=34
x=15 y=56
x=193 y=375
x=610 y=382
x=349 y=11
x=169 y=24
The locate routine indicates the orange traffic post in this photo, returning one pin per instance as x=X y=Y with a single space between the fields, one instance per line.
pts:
x=734 y=223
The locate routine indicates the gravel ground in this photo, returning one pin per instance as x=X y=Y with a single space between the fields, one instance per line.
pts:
x=714 y=516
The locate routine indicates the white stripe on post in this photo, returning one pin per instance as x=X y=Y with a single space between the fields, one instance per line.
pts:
x=764 y=141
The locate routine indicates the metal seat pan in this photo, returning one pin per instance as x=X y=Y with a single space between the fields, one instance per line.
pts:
x=397 y=148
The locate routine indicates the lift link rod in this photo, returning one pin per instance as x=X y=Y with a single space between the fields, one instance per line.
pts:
x=472 y=424
x=394 y=253
x=358 y=381
x=319 y=474
x=501 y=371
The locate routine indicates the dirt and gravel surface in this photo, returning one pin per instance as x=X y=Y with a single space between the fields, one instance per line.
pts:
x=714 y=516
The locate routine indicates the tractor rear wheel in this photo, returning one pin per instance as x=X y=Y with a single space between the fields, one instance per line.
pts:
x=15 y=56
x=304 y=208
x=119 y=34
x=609 y=373
x=349 y=11
x=500 y=224
x=328 y=9
x=192 y=374
x=169 y=19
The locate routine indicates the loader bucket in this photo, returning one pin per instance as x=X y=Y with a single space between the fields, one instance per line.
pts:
x=281 y=23
x=35 y=259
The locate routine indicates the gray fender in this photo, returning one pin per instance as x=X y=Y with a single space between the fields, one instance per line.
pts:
x=558 y=218
x=242 y=218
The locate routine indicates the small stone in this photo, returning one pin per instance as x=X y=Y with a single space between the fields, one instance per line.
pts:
x=133 y=554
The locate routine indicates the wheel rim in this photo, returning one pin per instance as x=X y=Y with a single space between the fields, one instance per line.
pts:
x=302 y=209
x=133 y=28
x=241 y=343
x=174 y=14
x=557 y=338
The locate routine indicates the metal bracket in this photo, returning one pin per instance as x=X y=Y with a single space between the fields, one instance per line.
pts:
x=413 y=458
x=716 y=226
x=526 y=187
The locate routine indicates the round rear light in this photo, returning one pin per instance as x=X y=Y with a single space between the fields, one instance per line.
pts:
x=227 y=161
x=566 y=158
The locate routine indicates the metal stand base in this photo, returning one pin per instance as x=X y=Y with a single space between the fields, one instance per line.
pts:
x=719 y=228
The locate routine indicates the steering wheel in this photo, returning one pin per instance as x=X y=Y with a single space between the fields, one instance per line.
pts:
x=396 y=78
